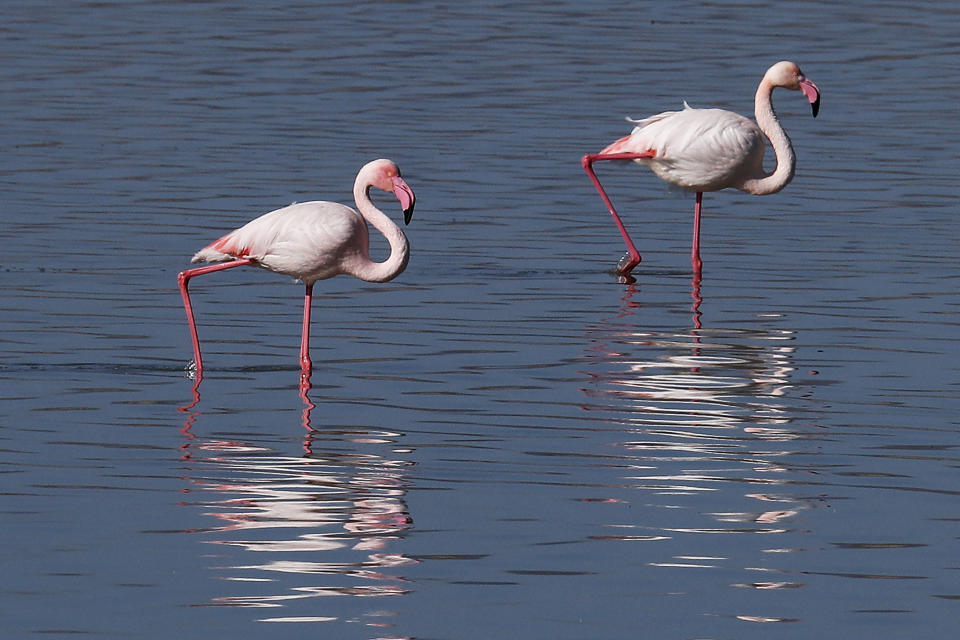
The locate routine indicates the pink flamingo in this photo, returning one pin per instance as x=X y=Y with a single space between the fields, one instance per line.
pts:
x=708 y=150
x=313 y=241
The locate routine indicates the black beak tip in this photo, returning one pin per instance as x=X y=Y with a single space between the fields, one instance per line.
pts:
x=408 y=215
x=815 y=105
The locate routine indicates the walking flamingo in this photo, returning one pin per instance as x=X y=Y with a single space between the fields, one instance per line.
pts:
x=708 y=150
x=313 y=241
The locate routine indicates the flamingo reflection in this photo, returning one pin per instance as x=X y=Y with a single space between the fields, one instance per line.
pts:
x=314 y=525
x=192 y=413
x=701 y=408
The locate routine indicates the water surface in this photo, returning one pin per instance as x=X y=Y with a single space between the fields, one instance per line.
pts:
x=504 y=441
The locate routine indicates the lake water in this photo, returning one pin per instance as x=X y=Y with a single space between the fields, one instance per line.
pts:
x=504 y=441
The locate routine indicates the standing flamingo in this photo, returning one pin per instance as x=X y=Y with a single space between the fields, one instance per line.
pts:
x=313 y=241
x=708 y=150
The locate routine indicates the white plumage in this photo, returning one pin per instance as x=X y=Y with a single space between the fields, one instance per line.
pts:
x=309 y=241
x=698 y=149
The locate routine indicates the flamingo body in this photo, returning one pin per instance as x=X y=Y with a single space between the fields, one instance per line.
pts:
x=313 y=241
x=697 y=149
x=308 y=241
x=710 y=149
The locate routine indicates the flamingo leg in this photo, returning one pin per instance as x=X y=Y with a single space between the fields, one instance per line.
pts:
x=183 y=279
x=632 y=259
x=306 y=366
x=695 y=252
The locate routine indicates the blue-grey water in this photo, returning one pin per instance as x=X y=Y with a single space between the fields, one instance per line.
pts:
x=503 y=442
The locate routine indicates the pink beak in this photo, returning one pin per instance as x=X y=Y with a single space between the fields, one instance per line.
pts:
x=812 y=92
x=405 y=195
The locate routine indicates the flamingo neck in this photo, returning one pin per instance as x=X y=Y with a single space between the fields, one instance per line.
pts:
x=399 y=247
x=770 y=126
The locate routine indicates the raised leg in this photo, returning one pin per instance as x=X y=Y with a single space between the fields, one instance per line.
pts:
x=183 y=279
x=306 y=366
x=632 y=259
x=695 y=252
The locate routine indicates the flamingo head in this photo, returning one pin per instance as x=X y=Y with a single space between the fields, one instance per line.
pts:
x=787 y=74
x=385 y=175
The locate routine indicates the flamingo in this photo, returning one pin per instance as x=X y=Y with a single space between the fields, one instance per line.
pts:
x=313 y=241
x=708 y=150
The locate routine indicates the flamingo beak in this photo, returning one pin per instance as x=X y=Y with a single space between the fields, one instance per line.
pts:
x=405 y=195
x=812 y=92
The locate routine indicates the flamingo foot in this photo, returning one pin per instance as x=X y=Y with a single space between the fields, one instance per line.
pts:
x=306 y=367
x=626 y=265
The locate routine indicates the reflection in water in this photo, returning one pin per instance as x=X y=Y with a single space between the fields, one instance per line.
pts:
x=705 y=410
x=697 y=298
x=700 y=378
x=285 y=522
x=192 y=415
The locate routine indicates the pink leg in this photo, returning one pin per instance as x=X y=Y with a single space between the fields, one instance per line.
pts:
x=306 y=366
x=695 y=253
x=627 y=263
x=183 y=278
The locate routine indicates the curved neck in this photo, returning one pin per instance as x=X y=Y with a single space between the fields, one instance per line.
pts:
x=399 y=247
x=786 y=159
